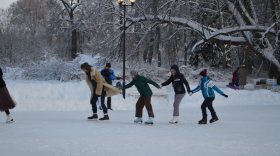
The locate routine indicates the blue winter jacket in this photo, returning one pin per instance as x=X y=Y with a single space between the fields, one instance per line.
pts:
x=108 y=75
x=207 y=88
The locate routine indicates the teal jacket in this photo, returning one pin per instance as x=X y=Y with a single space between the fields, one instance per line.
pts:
x=141 y=83
x=207 y=88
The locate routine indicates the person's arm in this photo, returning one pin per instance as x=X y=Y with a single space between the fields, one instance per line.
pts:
x=167 y=82
x=112 y=75
x=196 y=89
x=129 y=85
x=152 y=82
x=186 y=83
x=213 y=86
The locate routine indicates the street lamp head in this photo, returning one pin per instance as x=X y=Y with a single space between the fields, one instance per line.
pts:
x=132 y=2
x=120 y=2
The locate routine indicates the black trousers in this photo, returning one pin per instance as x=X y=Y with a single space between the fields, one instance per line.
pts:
x=7 y=112
x=93 y=102
x=208 y=103
x=109 y=100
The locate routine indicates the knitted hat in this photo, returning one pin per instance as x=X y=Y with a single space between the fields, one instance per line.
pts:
x=203 y=73
x=133 y=72
x=108 y=65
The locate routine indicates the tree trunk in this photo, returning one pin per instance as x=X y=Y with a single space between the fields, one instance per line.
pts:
x=74 y=38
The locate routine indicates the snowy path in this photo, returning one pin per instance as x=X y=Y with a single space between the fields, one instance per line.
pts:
x=242 y=131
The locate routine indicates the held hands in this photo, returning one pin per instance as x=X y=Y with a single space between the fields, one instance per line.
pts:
x=225 y=95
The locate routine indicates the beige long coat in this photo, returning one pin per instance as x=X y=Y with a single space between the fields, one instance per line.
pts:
x=109 y=89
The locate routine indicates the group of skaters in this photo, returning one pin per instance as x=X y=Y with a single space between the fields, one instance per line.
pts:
x=100 y=84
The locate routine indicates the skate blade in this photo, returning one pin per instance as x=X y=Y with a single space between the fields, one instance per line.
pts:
x=149 y=124
x=92 y=119
x=10 y=122
x=213 y=121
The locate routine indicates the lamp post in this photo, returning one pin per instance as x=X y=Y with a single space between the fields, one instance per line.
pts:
x=123 y=4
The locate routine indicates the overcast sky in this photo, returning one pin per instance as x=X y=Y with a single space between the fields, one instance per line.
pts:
x=6 y=3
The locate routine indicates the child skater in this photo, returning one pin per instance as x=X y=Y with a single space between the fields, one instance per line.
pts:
x=207 y=88
x=6 y=102
x=179 y=83
x=141 y=83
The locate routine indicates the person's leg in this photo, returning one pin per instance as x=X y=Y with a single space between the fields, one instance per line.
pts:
x=93 y=101
x=149 y=107
x=210 y=107
x=139 y=107
x=104 y=108
x=212 y=110
x=7 y=112
x=177 y=100
x=176 y=104
x=109 y=100
x=9 y=117
x=203 y=108
x=204 y=112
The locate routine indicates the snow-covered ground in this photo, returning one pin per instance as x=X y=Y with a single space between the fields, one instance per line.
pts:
x=51 y=120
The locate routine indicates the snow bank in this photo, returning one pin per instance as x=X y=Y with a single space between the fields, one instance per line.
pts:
x=75 y=95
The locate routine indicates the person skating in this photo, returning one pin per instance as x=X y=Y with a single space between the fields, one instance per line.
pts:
x=141 y=83
x=6 y=102
x=179 y=83
x=109 y=75
x=99 y=89
x=207 y=88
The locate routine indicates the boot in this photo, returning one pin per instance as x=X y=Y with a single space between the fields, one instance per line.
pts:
x=138 y=120
x=93 y=117
x=175 y=120
x=106 y=117
x=9 y=119
x=214 y=118
x=203 y=121
x=149 y=121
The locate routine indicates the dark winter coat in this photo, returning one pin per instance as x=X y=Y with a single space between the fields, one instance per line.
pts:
x=141 y=83
x=2 y=82
x=6 y=101
x=178 y=81
x=108 y=75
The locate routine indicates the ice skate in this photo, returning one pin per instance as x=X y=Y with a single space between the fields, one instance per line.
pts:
x=175 y=120
x=149 y=121
x=138 y=121
x=203 y=121
x=106 y=117
x=93 y=117
x=214 y=119
x=9 y=119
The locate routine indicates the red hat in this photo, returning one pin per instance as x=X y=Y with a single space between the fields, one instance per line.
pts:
x=203 y=73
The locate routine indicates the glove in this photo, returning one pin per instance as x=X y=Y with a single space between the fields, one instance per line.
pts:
x=226 y=96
